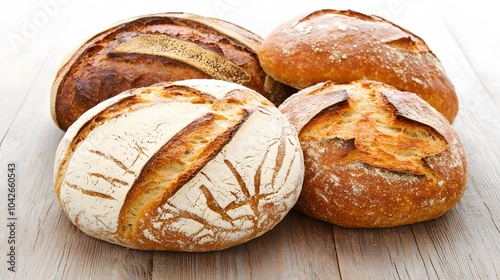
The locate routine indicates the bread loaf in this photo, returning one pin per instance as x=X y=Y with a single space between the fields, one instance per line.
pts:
x=344 y=46
x=375 y=156
x=194 y=165
x=157 y=48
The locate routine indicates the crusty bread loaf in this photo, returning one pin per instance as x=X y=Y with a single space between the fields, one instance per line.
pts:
x=193 y=165
x=375 y=156
x=344 y=46
x=158 y=48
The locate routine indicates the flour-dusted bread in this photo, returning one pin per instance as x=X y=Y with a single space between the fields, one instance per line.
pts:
x=344 y=46
x=375 y=156
x=193 y=165
x=158 y=48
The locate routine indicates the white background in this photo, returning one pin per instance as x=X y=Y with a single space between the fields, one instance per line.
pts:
x=29 y=29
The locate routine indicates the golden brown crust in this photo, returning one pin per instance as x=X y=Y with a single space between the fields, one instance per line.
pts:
x=344 y=46
x=157 y=48
x=382 y=158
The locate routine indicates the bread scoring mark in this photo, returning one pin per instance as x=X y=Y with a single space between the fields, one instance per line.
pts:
x=331 y=12
x=89 y=192
x=176 y=224
x=407 y=43
x=111 y=180
x=292 y=161
x=181 y=229
x=374 y=127
x=226 y=29
x=238 y=35
x=113 y=159
x=228 y=187
x=209 y=89
x=192 y=54
x=213 y=205
x=302 y=27
x=146 y=190
x=238 y=178
x=312 y=104
x=280 y=156
x=79 y=131
x=180 y=92
x=410 y=106
x=140 y=152
x=176 y=163
x=109 y=149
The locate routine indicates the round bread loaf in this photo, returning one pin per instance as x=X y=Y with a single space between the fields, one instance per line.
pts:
x=344 y=46
x=375 y=156
x=158 y=48
x=193 y=165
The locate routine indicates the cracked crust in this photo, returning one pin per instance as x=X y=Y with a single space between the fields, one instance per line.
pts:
x=196 y=165
x=158 y=48
x=375 y=156
x=344 y=46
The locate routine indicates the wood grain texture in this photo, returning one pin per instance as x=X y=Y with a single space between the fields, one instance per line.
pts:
x=393 y=249
x=11 y=103
x=462 y=244
x=297 y=248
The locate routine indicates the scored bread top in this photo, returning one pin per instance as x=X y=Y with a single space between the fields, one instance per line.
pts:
x=194 y=165
x=375 y=156
x=156 y=48
x=344 y=46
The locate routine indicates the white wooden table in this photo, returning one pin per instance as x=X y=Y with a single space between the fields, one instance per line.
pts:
x=462 y=244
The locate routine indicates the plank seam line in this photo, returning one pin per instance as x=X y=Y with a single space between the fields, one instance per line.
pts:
x=420 y=254
x=332 y=227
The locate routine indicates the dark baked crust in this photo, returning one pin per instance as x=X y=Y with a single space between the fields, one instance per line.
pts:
x=344 y=46
x=375 y=156
x=157 y=48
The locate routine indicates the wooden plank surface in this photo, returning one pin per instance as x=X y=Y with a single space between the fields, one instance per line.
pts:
x=462 y=244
